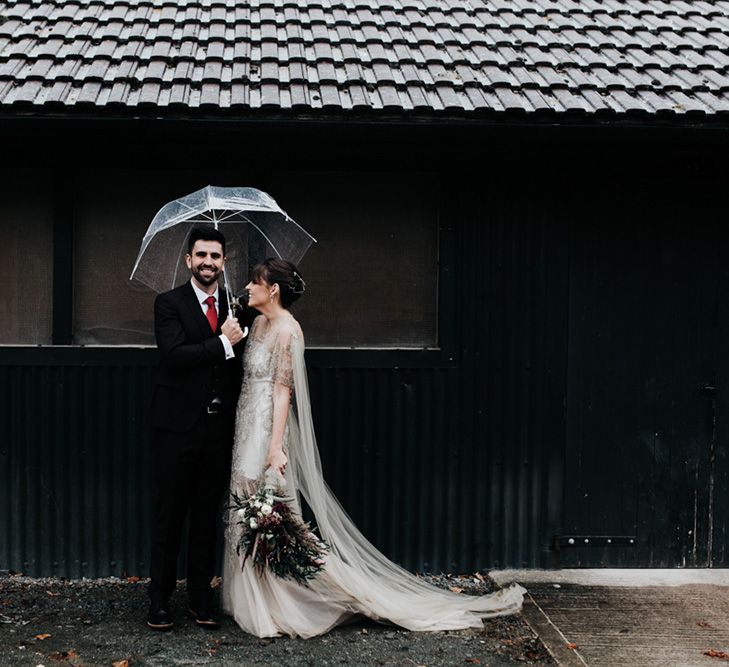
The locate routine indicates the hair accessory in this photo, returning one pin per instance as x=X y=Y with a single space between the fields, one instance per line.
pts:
x=301 y=287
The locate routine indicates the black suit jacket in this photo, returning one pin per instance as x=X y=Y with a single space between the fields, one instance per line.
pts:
x=193 y=367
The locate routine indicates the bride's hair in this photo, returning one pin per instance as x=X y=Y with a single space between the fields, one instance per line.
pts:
x=282 y=273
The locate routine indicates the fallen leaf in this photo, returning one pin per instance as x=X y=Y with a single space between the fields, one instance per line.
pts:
x=571 y=646
x=60 y=656
x=120 y=663
x=364 y=631
x=455 y=589
x=704 y=624
x=717 y=654
x=474 y=661
x=480 y=577
x=132 y=580
x=216 y=581
x=51 y=594
x=42 y=637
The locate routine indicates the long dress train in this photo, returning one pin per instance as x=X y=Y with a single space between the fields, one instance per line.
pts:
x=357 y=579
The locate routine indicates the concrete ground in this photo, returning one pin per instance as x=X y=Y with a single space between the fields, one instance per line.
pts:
x=616 y=618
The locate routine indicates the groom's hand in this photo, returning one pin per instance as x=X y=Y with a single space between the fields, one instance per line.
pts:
x=232 y=331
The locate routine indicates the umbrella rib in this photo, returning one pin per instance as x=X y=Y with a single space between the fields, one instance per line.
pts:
x=229 y=215
x=175 y=220
x=177 y=265
x=263 y=234
x=299 y=226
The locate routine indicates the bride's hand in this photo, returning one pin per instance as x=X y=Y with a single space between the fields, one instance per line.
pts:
x=277 y=461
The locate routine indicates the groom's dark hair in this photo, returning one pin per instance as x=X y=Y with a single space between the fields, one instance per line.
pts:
x=204 y=233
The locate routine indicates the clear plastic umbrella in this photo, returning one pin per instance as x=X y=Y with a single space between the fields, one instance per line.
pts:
x=254 y=226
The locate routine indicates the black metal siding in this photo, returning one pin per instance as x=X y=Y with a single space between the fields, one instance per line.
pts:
x=443 y=458
x=646 y=440
x=511 y=376
x=466 y=457
x=74 y=489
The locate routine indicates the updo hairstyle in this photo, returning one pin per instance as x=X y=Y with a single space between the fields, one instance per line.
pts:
x=283 y=273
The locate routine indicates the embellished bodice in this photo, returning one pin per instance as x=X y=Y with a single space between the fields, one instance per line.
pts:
x=268 y=352
x=267 y=360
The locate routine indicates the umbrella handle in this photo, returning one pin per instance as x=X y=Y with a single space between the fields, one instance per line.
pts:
x=229 y=296
x=230 y=315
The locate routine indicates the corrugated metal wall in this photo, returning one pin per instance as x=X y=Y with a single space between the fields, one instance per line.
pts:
x=511 y=380
x=451 y=461
x=646 y=440
x=74 y=486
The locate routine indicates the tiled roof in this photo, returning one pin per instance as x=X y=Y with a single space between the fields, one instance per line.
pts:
x=448 y=57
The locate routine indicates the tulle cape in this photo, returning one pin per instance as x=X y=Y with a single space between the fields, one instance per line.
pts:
x=380 y=588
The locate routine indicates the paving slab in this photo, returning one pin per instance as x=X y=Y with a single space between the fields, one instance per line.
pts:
x=629 y=620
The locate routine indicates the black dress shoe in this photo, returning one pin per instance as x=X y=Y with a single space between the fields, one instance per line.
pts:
x=159 y=616
x=205 y=618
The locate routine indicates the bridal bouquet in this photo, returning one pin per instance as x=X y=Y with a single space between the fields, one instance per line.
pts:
x=275 y=538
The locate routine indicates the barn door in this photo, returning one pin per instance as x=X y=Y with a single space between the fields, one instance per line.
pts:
x=644 y=448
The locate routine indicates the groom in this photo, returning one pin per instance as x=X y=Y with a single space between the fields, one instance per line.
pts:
x=193 y=410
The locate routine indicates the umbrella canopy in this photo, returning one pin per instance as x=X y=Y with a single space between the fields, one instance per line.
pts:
x=254 y=226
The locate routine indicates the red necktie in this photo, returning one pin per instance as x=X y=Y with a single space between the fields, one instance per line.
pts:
x=211 y=314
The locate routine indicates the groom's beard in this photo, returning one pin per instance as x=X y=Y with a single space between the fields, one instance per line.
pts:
x=206 y=280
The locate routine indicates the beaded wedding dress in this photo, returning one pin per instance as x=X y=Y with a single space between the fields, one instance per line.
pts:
x=357 y=579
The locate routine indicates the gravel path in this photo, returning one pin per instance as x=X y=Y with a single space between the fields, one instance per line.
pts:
x=53 y=622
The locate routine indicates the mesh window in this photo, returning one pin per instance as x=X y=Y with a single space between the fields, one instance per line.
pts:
x=110 y=219
x=371 y=279
x=26 y=226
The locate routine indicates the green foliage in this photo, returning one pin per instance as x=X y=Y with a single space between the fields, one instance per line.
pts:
x=276 y=538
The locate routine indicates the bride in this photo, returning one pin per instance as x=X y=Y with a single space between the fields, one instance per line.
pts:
x=274 y=437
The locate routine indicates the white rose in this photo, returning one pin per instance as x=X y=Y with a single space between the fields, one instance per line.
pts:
x=266 y=510
x=253 y=523
x=241 y=512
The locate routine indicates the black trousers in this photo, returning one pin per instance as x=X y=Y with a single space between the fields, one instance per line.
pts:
x=191 y=472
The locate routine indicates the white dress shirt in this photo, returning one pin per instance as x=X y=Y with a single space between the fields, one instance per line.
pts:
x=201 y=297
